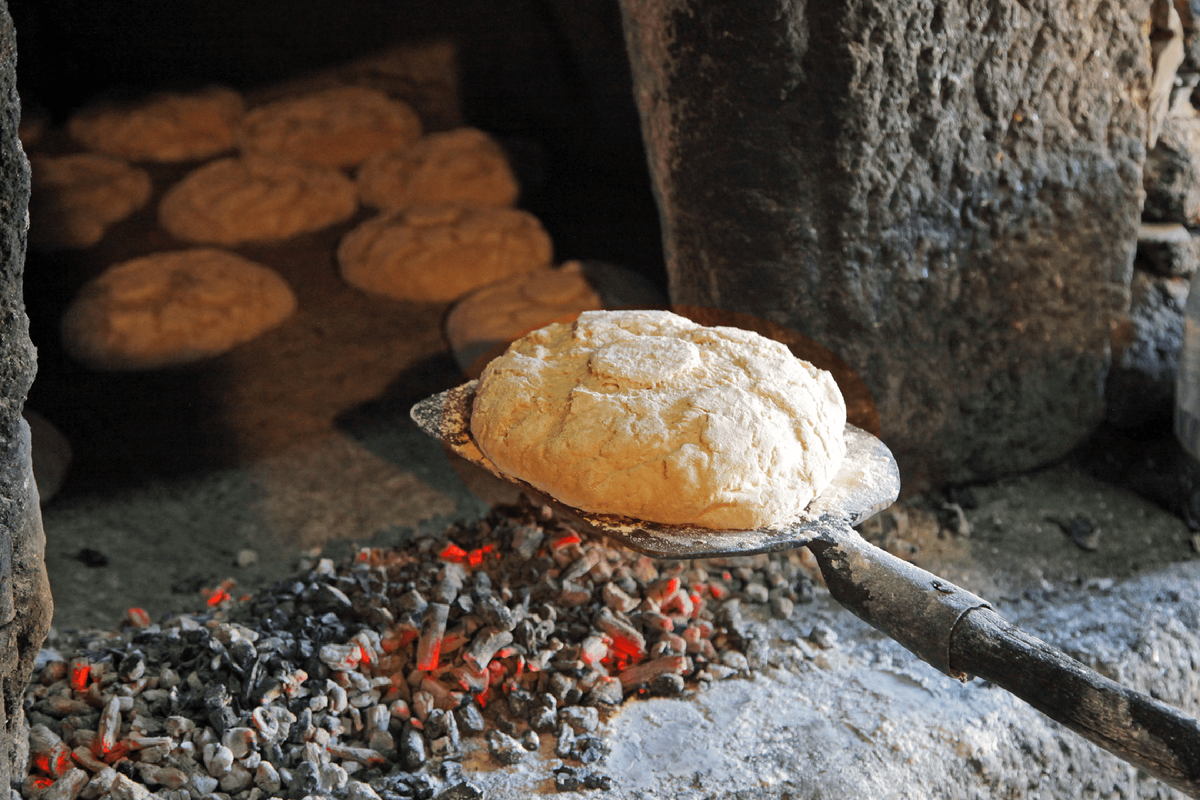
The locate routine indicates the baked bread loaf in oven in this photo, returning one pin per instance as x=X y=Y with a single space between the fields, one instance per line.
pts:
x=255 y=199
x=648 y=415
x=75 y=198
x=439 y=253
x=166 y=127
x=173 y=308
x=464 y=165
x=337 y=127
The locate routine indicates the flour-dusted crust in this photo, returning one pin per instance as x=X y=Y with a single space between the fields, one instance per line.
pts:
x=75 y=198
x=464 y=165
x=648 y=415
x=173 y=308
x=337 y=127
x=439 y=253
x=255 y=199
x=163 y=127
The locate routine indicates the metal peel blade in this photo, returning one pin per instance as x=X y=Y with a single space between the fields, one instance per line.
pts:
x=867 y=482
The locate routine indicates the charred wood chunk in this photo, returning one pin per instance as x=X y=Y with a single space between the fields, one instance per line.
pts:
x=504 y=748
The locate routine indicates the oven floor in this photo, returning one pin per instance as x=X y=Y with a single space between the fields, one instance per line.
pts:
x=298 y=445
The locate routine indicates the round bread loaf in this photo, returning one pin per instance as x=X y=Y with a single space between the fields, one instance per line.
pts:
x=501 y=311
x=439 y=253
x=337 y=127
x=167 y=309
x=464 y=165
x=255 y=199
x=649 y=415
x=162 y=127
x=75 y=198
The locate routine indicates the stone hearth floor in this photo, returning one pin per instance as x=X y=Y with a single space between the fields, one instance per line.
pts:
x=299 y=445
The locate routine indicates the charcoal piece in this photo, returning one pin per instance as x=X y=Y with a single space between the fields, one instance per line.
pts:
x=481 y=584
x=433 y=629
x=411 y=748
x=495 y=613
x=532 y=633
x=242 y=655
x=329 y=596
x=443 y=749
x=729 y=617
x=567 y=779
x=758 y=652
x=302 y=728
x=531 y=741
x=736 y=661
x=132 y=666
x=579 y=567
x=668 y=684
x=441 y=723
x=605 y=693
x=596 y=780
x=470 y=719
x=305 y=649
x=487 y=642
x=423 y=787
x=502 y=721
x=756 y=593
x=357 y=790
x=804 y=590
x=781 y=605
x=305 y=780
x=395 y=785
x=222 y=719
x=526 y=540
x=216 y=696
x=333 y=777
x=465 y=790
x=504 y=748
x=452 y=773
x=543 y=719
x=519 y=703
x=582 y=719
x=590 y=749
x=564 y=743
x=445 y=592
x=564 y=689
x=200 y=784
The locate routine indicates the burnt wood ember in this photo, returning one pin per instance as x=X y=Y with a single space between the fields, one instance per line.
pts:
x=371 y=679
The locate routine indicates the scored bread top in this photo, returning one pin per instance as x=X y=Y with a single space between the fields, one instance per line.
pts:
x=649 y=415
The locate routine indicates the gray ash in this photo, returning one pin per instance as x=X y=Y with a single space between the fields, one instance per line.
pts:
x=367 y=681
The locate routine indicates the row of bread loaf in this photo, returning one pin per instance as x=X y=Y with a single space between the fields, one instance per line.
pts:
x=446 y=225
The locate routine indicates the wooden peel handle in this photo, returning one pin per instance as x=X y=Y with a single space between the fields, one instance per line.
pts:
x=961 y=635
x=1143 y=731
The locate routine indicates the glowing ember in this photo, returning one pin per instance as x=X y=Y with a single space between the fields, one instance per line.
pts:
x=453 y=553
x=80 y=670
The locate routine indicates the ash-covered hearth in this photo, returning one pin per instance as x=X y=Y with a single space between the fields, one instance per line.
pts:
x=376 y=678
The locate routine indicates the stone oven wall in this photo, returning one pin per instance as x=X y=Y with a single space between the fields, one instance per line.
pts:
x=24 y=591
x=945 y=193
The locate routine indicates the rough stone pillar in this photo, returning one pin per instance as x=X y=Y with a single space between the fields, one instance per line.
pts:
x=25 y=605
x=946 y=193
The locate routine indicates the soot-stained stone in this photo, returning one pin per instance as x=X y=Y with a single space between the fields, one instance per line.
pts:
x=946 y=197
x=1147 y=341
x=25 y=603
